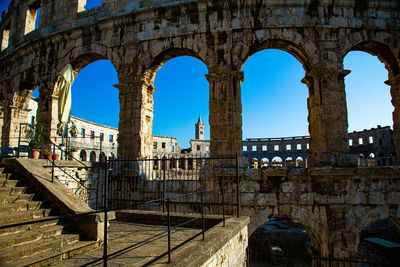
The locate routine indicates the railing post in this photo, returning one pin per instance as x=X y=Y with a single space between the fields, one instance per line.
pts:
x=203 y=224
x=164 y=166
x=223 y=207
x=237 y=186
x=169 y=231
x=53 y=163
x=105 y=256
x=19 y=140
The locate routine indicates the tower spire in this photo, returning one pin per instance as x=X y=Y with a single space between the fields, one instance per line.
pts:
x=199 y=129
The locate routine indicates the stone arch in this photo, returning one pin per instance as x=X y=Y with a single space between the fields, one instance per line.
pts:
x=293 y=49
x=264 y=162
x=359 y=218
x=376 y=48
x=83 y=155
x=311 y=219
x=139 y=79
x=299 y=162
x=102 y=157
x=92 y=156
x=277 y=161
x=161 y=57
x=289 y=161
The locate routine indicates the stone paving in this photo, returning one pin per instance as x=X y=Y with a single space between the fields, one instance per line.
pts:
x=128 y=236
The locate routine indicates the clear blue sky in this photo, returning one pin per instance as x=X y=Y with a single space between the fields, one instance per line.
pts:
x=274 y=101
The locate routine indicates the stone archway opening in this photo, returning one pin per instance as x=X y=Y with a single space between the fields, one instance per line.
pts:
x=180 y=97
x=272 y=80
x=299 y=162
x=370 y=86
x=379 y=243
x=264 y=163
x=95 y=104
x=367 y=95
x=277 y=162
x=280 y=242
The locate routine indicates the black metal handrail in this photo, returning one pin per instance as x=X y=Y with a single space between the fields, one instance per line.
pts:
x=54 y=165
x=164 y=200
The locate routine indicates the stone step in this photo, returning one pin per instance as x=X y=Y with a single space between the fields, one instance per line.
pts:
x=19 y=206
x=18 y=216
x=15 y=198
x=55 y=256
x=11 y=190
x=5 y=175
x=30 y=235
x=52 y=243
x=26 y=227
x=4 y=182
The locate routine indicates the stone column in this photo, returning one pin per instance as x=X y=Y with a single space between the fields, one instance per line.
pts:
x=47 y=113
x=225 y=113
x=327 y=118
x=394 y=84
x=10 y=129
x=135 y=118
x=14 y=113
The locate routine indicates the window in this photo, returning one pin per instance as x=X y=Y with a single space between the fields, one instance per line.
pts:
x=32 y=17
x=163 y=145
x=92 y=134
x=5 y=38
x=88 y=4
x=254 y=148
x=276 y=147
x=350 y=142
x=371 y=140
x=111 y=138
x=33 y=120
x=244 y=148
x=83 y=132
x=289 y=147
x=201 y=132
x=198 y=147
x=308 y=146
x=298 y=146
x=360 y=141
x=172 y=148
x=101 y=136
x=154 y=145
x=264 y=148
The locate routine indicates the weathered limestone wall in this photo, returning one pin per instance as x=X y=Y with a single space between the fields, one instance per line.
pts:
x=233 y=253
x=86 y=180
x=335 y=205
x=139 y=36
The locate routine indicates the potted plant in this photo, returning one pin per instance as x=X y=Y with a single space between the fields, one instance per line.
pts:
x=47 y=153
x=56 y=156
x=36 y=140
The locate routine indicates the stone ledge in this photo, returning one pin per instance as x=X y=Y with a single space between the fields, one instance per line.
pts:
x=216 y=238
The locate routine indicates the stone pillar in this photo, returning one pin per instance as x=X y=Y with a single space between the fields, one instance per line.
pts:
x=47 y=113
x=394 y=84
x=225 y=113
x=135 y=118
x=14 y=113
x=327 y=118
x=10 y=129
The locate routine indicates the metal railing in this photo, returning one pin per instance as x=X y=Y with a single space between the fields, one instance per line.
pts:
x=83 y=191
x=216 y=194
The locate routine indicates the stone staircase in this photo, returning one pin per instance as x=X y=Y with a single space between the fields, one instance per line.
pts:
x=33 y=244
